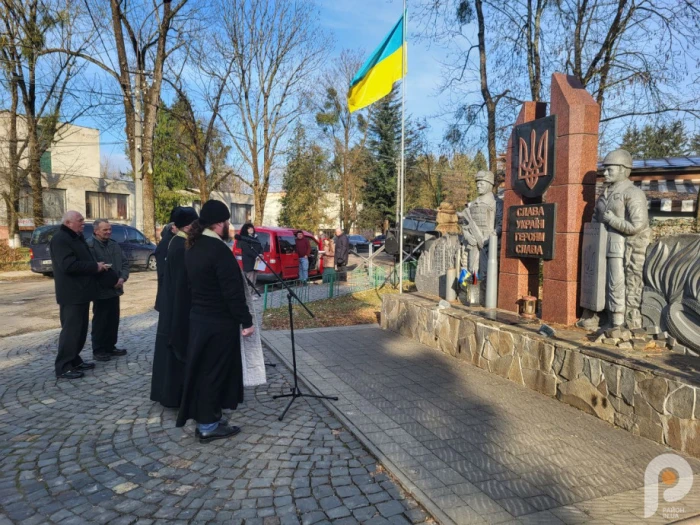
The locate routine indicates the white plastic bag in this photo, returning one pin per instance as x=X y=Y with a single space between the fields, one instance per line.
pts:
x=251 y=350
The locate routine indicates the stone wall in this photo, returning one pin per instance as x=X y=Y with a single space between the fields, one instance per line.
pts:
x=644 y=402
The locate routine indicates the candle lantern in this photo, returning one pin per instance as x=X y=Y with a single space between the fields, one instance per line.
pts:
x=528 y=306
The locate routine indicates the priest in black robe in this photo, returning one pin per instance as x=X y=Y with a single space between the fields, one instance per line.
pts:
x=174 y=318
x=214 y=371
x=169 y=230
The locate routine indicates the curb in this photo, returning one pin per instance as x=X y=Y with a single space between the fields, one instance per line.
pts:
x=405 y=483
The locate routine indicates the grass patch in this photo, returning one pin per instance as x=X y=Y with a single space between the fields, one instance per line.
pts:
x=13 y=258
x=347 y=310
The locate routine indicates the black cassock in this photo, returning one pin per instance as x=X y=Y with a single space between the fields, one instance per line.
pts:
x=214 y=372
x=173 y=329
x=161 y=254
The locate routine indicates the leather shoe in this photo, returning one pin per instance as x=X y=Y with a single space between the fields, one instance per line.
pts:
x=198 y=434
x=117 y=352
x=85 y=365
x=71 y=374
x=101 y=357
x=220 y=432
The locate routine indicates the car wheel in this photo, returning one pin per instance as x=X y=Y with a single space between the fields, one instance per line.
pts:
x=152 y=264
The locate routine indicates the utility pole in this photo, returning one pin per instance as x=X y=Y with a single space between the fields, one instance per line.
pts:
x=138 y=168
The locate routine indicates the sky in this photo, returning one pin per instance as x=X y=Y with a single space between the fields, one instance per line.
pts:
x=353 y=24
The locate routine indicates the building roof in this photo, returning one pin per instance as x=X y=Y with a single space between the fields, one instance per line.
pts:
x=677 y=165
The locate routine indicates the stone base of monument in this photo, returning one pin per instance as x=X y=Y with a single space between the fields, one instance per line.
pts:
x=649 y=393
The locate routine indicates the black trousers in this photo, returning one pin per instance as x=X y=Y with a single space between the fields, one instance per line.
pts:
x=105 y=325
x=74 y=327
x=342 y=270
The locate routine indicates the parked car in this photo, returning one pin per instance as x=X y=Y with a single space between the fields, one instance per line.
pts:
x=278 y=245
x=139 y=251
x=378 y=241
x=419 y=226
x=358 y=243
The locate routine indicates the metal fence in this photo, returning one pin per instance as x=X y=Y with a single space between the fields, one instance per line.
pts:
x=365 y=277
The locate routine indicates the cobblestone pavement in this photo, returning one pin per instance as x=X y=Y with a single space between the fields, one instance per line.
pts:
x=473 y=447
x=98 y=450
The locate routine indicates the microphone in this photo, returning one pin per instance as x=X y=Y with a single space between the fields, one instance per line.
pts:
x=249 y=240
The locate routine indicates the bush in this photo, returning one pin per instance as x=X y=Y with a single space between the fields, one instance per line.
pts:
x=13 y=258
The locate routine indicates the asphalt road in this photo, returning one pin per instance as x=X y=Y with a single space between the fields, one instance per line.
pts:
x=30 y=305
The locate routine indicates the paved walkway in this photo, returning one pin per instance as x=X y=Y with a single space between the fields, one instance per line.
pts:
x=98 y=450
x=473 y=447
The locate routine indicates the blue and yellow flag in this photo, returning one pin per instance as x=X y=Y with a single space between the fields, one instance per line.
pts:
x=376 y=77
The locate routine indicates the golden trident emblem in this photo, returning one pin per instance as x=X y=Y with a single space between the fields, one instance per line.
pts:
x=534 y=165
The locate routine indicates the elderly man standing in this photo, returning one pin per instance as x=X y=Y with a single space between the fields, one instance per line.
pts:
x=74 y=270
x=105 y=308
x=342 y=252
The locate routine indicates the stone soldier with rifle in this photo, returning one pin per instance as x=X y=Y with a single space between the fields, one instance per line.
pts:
x=622 y=209
x=482 y=217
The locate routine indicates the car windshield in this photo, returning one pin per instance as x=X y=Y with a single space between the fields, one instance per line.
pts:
x=43 y=234
x=358 y=238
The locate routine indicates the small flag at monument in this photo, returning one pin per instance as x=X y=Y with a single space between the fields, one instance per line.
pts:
x=376 y=77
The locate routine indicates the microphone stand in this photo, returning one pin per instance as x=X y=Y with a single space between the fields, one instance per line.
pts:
x=295 y=390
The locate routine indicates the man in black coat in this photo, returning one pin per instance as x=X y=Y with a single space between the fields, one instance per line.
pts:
x=74 y=270
x=174 y=319
x=214 y=370
x=342 y=252
x=105 y=308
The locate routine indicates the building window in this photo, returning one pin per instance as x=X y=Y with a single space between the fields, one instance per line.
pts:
x=100 y=205
x=54 y=203
x=45 y=162
x=240 y=213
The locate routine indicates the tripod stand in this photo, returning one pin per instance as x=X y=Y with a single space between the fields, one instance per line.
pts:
x=295 y=390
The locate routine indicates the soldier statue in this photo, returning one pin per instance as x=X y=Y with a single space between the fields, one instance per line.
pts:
x=482 y=217
x=622 y=208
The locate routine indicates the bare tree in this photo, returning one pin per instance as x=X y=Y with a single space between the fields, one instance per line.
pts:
x=276 y=46
x=39 y=38
x=201 y=98
x=449 y=22
x=633 y=54
x=141 y=33
x=346 y=131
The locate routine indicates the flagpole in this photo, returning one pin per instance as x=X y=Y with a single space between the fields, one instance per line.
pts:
x=403 y=160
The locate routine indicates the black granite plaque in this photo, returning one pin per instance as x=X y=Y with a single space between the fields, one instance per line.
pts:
x=534 y=152
x=531 y=231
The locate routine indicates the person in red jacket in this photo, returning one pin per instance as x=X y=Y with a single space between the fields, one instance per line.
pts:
x=303 y=249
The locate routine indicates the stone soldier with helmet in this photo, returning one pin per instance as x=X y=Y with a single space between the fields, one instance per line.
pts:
x=479 y=220
x=622 y=208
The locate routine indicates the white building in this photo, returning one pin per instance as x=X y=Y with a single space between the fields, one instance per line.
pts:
x=273 y=208
x=71 y=181
x=241 y=205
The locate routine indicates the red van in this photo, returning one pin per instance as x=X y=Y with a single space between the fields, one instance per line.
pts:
x=278 y=249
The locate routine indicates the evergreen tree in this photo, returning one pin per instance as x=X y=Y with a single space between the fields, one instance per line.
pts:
x=384 y=144
x=480 y=163
x=653 y=142
x=695 y=145
x=170 y=172
x=305 y=183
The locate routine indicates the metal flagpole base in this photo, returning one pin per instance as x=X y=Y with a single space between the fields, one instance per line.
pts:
x=295 y=393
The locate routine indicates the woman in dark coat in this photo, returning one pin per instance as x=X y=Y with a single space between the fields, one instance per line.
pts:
x=174 y=319
x=250 y=256
x=214 y=372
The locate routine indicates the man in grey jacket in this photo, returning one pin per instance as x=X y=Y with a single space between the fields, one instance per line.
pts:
x=105 y=309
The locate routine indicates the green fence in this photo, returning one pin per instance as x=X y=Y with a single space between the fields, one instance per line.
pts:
x=358 y=280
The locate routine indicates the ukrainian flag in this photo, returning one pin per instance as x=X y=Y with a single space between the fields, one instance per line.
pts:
x=376 y=77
